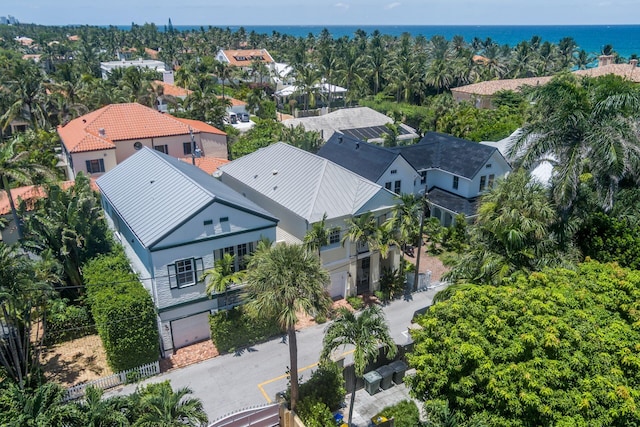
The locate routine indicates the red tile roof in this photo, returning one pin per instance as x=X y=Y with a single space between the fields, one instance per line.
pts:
x=207 y=164
x=234 y=102
x=244 y=57
x=153 y=54
x=172 y=90
x=30 y=194
x=101 y=129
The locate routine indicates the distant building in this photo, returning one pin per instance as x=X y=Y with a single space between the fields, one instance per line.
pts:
x=243 y=58
x=150 y=64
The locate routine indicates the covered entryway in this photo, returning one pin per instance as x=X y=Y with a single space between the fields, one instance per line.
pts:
x=338 y=285
x=190 y=330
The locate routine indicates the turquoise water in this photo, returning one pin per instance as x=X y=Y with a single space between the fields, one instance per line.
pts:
x=624 y=38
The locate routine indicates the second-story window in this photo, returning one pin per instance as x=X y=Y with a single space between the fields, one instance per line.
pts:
x=334 y=236
x=483 y=183
x=456 y=180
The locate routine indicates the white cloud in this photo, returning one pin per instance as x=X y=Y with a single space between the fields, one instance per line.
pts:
x=341 y=5
x=393 y=5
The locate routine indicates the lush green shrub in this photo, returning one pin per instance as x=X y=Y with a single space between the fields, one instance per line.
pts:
x=123 y=311
x=355 y=302
x=66 y=322
x=239 y=327
x=325 y=385
x=314 y=413
x=607 y=239
x=405 y=414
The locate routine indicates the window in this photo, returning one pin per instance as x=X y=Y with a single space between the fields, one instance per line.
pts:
x=242 y=252
x=387 y=185
x=239 y=253
x=183 y=272
x=224 y=219
x=491 y=179
x=186 y=148
x=334 y=236
x=423 y=177
x=483 y=183
x=394 y=171
x=488 y=165
x=397 y=187
x=162 y=148
x=95 y=166
x=456 y=180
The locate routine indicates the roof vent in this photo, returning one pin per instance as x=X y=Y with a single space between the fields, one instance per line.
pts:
x=102 y=132
x=339 y=140
x=357 y=145
x=274 y=172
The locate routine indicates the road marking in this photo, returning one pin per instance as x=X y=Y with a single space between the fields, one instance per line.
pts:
x=262 y=384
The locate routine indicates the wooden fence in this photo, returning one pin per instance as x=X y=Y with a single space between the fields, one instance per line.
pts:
x=124 y=377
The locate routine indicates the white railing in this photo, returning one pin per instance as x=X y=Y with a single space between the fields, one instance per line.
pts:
x=144 y=371
x=262 y=415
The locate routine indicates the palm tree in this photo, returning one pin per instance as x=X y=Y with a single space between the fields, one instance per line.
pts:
x=285 y=281
x=160 y=406
x=367 y=333
x=318 y=235
x=580 y=126
x=42 y=406
x=362 y=231
x=222 y=276
x=99 y=412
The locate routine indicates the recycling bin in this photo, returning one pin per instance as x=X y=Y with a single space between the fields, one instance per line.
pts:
x=372 y=382
x=387 y=376
x=399 y=368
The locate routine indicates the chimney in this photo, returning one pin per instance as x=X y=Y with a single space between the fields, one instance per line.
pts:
x=633 y=63
x=167 y=77
x=102 y=132
x=604 y=60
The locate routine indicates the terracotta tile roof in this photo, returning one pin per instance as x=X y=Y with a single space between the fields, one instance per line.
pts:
x=73 y=38
x=197 y=125
x=101 y=129
x=234 y=102
x=153 y=54
x=492 y=86
x=30 y=194
x=244 y=57
x=628 y=71
x=207 y=164
x=173 y=90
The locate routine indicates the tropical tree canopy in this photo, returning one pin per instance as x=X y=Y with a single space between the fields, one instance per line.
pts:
x=553 y=348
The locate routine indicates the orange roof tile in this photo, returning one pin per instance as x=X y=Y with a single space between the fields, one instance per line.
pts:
x=153 y=54
x=173 y=90
x=207 y=164
x=234 y=102
x=627 y=71
x=101 y=129
x=30 y=194
x=244 y=57
x=73 y=38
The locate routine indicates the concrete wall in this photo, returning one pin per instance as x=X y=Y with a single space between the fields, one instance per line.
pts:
x=213 y=145
x=79 y=161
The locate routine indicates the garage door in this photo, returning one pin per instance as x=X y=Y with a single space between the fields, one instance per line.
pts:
x=338 y=284
x=190 y=329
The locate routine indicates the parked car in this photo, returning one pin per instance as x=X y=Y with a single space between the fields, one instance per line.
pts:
x=232 y=118
x=244 y=117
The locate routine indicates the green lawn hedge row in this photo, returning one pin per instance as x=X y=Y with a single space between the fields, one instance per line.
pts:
x=237 y=328
x=123 y=311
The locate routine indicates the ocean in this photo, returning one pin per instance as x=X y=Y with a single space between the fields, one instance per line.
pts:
x=625 y=39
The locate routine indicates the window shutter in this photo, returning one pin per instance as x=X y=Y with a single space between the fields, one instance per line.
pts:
x=88 y=163
x=171 y=274
x=199 y=266
x=101 y=165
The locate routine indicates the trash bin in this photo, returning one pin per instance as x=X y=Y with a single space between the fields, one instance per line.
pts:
x=372 y=382
x=387 y=376
x=399 y=368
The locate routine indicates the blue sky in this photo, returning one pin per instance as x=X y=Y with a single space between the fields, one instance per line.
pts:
x=325 y=12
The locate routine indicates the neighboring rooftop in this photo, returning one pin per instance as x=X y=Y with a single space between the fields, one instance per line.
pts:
x=172 y=90
x=441 y=151
x=167 y=192
x=305 y=183
x=347 y=119
x=30 y=194
x=100 y=129
x=207 y=164
x=244 y=57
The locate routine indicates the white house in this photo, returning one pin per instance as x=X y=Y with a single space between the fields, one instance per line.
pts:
x=174 y=221
x=150 y=64
x=299 y=188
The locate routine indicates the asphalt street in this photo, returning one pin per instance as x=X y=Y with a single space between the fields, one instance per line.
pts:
x=252 y=377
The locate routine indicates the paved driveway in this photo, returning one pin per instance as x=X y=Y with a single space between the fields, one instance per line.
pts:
x=252 y=377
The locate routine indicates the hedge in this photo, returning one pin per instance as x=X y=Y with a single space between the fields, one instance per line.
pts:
x=237 y=328
x=66 y=322
x=123 y=311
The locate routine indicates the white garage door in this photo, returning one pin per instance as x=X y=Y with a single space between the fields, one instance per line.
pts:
x=190 y=329
x=338 y=284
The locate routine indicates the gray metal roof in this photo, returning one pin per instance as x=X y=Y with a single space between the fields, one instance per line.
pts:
x=305 y=183
x=155 y=193
x=365 y=159
x=347 y=118
x=446 y=152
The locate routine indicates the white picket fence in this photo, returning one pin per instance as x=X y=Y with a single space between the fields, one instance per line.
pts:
x=145 y=371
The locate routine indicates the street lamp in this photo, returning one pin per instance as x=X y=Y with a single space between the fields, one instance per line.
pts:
x=426 y=213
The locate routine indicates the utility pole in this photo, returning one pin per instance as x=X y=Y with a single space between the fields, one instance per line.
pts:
x=426 y=212
x=195 y=151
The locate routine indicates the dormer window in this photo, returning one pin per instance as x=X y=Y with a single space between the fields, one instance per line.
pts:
x=394 y=171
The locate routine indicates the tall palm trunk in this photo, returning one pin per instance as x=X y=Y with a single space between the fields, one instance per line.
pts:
x=14 y=212
x=353 y=399
x=293 y=369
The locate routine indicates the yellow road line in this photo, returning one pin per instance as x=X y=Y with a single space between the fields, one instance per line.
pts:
x=262 y=384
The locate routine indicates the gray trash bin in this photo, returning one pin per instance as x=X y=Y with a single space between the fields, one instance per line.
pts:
x=372 y=382
x=399 y=368
x=387 y=376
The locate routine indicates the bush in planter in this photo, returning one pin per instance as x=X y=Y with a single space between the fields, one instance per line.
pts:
x=325 y=385
x=123 y=312
x=405 y=413
x=355 y=302
x=314 y=413
x=238 y=327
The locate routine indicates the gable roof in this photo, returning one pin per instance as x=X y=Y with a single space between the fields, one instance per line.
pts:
x=172 y=90
x=367 y=160
x=167 y=192
x=304 y=183
x=441 y=151
x=343 y=119
x=207 y=164
x=100 y=129
x=244 y=57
